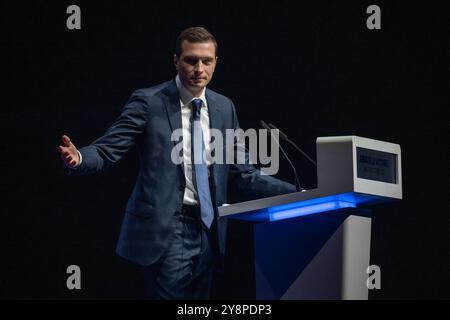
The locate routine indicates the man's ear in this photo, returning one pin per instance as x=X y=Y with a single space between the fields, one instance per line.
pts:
x=175 y=61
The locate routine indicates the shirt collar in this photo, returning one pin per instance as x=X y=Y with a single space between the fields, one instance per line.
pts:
x=186 y=96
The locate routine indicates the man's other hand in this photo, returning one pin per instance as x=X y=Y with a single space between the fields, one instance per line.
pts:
x=69 y=153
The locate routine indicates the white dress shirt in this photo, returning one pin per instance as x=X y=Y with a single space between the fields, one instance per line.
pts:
x=190 y=193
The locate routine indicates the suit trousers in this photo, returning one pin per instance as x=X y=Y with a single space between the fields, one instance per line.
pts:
x=186 y=270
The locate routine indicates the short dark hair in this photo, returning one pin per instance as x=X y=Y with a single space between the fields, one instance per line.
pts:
x=193 y=35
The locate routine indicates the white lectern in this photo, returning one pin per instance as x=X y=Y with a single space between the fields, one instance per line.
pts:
x=313 y=244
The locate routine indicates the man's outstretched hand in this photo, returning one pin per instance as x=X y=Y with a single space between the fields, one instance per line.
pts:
x=69 y=153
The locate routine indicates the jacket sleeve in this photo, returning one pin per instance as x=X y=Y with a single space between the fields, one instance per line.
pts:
x=117 y=140
x=248 y=181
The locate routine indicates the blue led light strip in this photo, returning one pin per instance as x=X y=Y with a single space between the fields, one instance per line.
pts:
x=278 y=213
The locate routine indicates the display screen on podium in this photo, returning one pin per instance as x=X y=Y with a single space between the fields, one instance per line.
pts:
x=376 y=165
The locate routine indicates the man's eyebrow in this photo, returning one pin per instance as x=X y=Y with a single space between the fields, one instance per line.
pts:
x=198 y=58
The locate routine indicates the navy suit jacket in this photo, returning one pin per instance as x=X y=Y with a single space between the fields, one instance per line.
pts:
x=148 y=120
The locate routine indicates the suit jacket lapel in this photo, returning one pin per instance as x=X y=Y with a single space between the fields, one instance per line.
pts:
x=215 y=122
x=215 y=119
x=173 y=109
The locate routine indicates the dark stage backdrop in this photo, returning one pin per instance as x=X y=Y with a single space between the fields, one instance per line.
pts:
x=311 y=68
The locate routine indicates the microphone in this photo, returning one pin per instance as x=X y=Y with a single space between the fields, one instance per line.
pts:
x=297 y=182
x=284 y=137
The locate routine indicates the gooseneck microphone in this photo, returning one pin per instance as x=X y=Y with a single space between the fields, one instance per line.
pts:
x=297 y=182
x=284 y=137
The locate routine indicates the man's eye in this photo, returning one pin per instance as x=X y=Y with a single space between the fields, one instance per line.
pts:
x=191 y=61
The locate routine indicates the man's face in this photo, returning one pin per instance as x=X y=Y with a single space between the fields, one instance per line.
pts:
x=196 y=64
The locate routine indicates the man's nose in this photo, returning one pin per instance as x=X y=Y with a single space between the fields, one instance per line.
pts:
x=199 y=67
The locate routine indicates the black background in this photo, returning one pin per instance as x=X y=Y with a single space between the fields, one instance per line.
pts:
x=311 y=68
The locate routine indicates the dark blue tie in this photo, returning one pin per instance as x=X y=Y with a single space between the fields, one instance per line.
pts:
x=200 y=170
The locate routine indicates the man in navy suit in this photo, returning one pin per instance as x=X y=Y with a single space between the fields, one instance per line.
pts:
x=170 y=224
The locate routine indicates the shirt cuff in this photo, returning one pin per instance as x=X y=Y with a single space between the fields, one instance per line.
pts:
x=81 y=159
